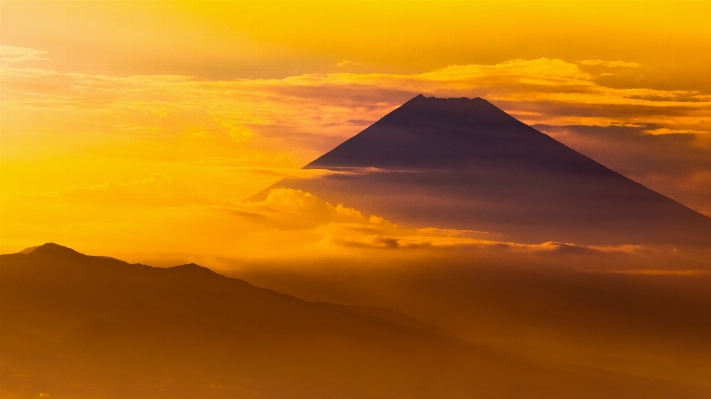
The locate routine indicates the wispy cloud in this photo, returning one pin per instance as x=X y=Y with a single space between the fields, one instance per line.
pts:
x=235 y=137
x=298 y=223
x=610 y=64
x=544 y=90
x=341 y=226
x=11 y=55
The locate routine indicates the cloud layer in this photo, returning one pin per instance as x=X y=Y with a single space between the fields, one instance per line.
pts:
x=217 y=142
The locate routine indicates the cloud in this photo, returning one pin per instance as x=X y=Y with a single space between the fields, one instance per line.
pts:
x=295 y=221
x=236 y=137
x=294 y=209
x=12 y=55
x=327 y=108
x=163 y=216
x=306 y=215
x=550 y=91
x=610 y=64
x=665 y=130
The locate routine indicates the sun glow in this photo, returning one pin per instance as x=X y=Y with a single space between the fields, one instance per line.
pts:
x=158 y=111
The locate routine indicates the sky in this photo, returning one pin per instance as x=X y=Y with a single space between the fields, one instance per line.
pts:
x=138 y=129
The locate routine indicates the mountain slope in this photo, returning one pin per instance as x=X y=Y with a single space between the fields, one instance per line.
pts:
x=463 y=163
x=80 y=326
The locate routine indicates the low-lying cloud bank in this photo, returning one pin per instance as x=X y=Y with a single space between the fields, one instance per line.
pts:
x=337 y=225
x=193 y=223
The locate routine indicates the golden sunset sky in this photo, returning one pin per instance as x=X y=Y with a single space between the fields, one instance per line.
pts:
x=136 y=129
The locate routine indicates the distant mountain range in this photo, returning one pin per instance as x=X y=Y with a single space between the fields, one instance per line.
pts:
x=77 y=326
x=465 y=164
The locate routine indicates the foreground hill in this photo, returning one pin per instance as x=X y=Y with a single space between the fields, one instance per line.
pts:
x=81 y=326
x=465 y=164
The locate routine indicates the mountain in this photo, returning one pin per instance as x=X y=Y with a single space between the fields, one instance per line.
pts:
x=465 y=164
x=79 y=326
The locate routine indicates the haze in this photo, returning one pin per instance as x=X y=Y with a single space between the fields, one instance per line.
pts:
x=348 y=199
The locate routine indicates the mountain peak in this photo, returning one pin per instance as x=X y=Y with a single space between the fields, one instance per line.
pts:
x=475 y=106
x=50 y=248
x=436 y=132
x=192 y=268
x=463 y=163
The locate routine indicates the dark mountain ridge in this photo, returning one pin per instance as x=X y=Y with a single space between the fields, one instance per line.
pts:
x=465 y=164
x=80 y=326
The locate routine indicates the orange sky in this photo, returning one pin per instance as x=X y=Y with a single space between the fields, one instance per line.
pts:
x=135 y=129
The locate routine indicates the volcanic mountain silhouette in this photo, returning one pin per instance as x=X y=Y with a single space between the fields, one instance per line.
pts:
x=466 y=164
